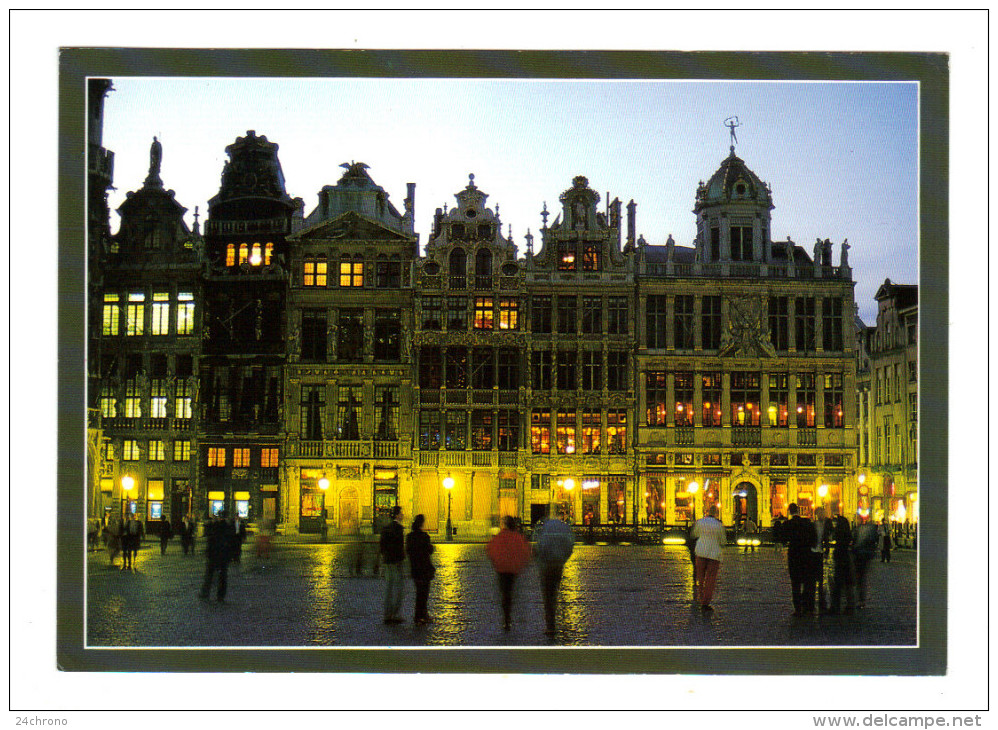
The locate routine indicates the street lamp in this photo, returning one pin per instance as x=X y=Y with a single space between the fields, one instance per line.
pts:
x=691 y=489
x=449 y=485
x=127 y=485
x=324 y=527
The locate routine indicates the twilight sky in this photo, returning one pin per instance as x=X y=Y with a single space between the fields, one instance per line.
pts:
x=841 y=158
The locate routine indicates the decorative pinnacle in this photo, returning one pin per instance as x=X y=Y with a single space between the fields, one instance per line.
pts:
x=545 y=214
x=471 y=179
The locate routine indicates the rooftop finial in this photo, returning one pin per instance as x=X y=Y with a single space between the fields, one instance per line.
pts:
x=471 y=179
x=731 y=123
x=545 y=214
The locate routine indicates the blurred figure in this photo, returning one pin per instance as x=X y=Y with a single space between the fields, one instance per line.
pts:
x=823 y=531
x=392 y=548
x=691 y=547
x=131 y=538
x=864 y=547
x=220 y=539
x=113 y=538
x=800 y=536
x=779 y=522
x=418 y=547
x=165 y=533
x=238 y=538
x=263 y=538
x=554 y=548
x=842 y=573
x=509 y=552
x=187 y=534
x=885 y=541
x=710 y=537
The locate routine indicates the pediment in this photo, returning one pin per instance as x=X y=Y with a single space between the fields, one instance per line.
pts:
x=351 y=226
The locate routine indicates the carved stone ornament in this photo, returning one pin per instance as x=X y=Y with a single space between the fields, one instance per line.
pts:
x=348 y=472
x=747 y=334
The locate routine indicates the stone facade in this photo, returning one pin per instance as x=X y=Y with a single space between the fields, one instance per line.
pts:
x=336 y=371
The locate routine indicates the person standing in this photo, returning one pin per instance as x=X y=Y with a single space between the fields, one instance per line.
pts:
x=864 y=547
x=885 y=541
x=186 y=534
x=800 y=536
x=779 y=522
x=554 y=547
x=691 y=548
x=392 y=550
x=710 y=537
x=113 y=532
x=219 y=536
x=509 y=553
x=842 y=574
x=165 y=533
x=419 y=548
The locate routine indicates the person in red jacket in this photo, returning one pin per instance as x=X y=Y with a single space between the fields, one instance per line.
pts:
x=509 y=552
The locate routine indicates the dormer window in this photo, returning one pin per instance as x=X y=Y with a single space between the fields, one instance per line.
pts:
x=740 y=189
x=590 y=257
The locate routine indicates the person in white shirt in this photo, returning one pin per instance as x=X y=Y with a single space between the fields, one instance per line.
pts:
x=710 y=536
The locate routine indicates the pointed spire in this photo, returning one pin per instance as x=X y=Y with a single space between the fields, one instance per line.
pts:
x=530 y=242
x=545 y=214
x=197 y=228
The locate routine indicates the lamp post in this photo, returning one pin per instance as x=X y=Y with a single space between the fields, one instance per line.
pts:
x=449 y=485
x=127 y=485
x=691 y=489
x=324 y=528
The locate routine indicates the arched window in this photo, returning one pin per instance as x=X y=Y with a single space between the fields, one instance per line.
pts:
x=243 y=253
x=255 y=257
x=268 y=252
x=458 y=268
x=230 y=255
x=483 y=269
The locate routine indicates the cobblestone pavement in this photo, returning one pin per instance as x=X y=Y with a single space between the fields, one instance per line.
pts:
x=304 y=595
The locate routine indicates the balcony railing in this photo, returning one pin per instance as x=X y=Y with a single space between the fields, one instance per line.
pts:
x=311 y=448
x=351 y=449
x=746 y=436
x=386 y=449
x=807 y=437
x=429 y=458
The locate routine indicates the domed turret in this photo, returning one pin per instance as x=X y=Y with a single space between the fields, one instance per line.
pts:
x=733 y=214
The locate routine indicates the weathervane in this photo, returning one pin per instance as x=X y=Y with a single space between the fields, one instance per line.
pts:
x=731 y=123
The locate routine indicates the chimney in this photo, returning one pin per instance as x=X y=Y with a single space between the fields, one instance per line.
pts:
x=631 y=221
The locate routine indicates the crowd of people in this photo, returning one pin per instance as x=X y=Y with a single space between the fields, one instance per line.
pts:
x=817 y=586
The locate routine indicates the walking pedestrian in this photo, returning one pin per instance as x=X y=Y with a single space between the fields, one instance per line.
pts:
x=554 y=547
x=218 y=551
x=823 y=531
x=799 y=536
x=418 y=547
x=165 y=533
x=131 y=538
x=710 y=537
x=509 y=552
x=392 y=549
x=113 y=536
x=885 y=541
x=778 y=524
x=842 y=573
x=864 y=547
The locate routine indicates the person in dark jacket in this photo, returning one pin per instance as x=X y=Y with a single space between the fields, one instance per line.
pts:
x=842 y=573
x=392 y=549
x=220 y=537
x=187 y=535
x=799 y=535
x=165 y=533
x=238 y=538
x=419 y=548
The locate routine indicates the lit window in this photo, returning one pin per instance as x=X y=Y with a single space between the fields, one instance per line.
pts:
x=320 y=271
x=240 y=458
x=308 y=273
x=616 y=431
x=130 y=450
x=161 y=313
x=268 y=253
x=135 y=314
x=181 y=450
x=314 y=272
x=243 y=253
x=216 y=457
x=230 y=255
x=591 y=432
x=508 y=314
x=112 y=312
x=108 y=405
x=183 y=399
x=156 y=452
x=540 y=432
x=351 y=273
x=157 y=399
x=483 y=313
x=133 y=400
x=185 y=313
x=256 y=258
x=268 y=458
